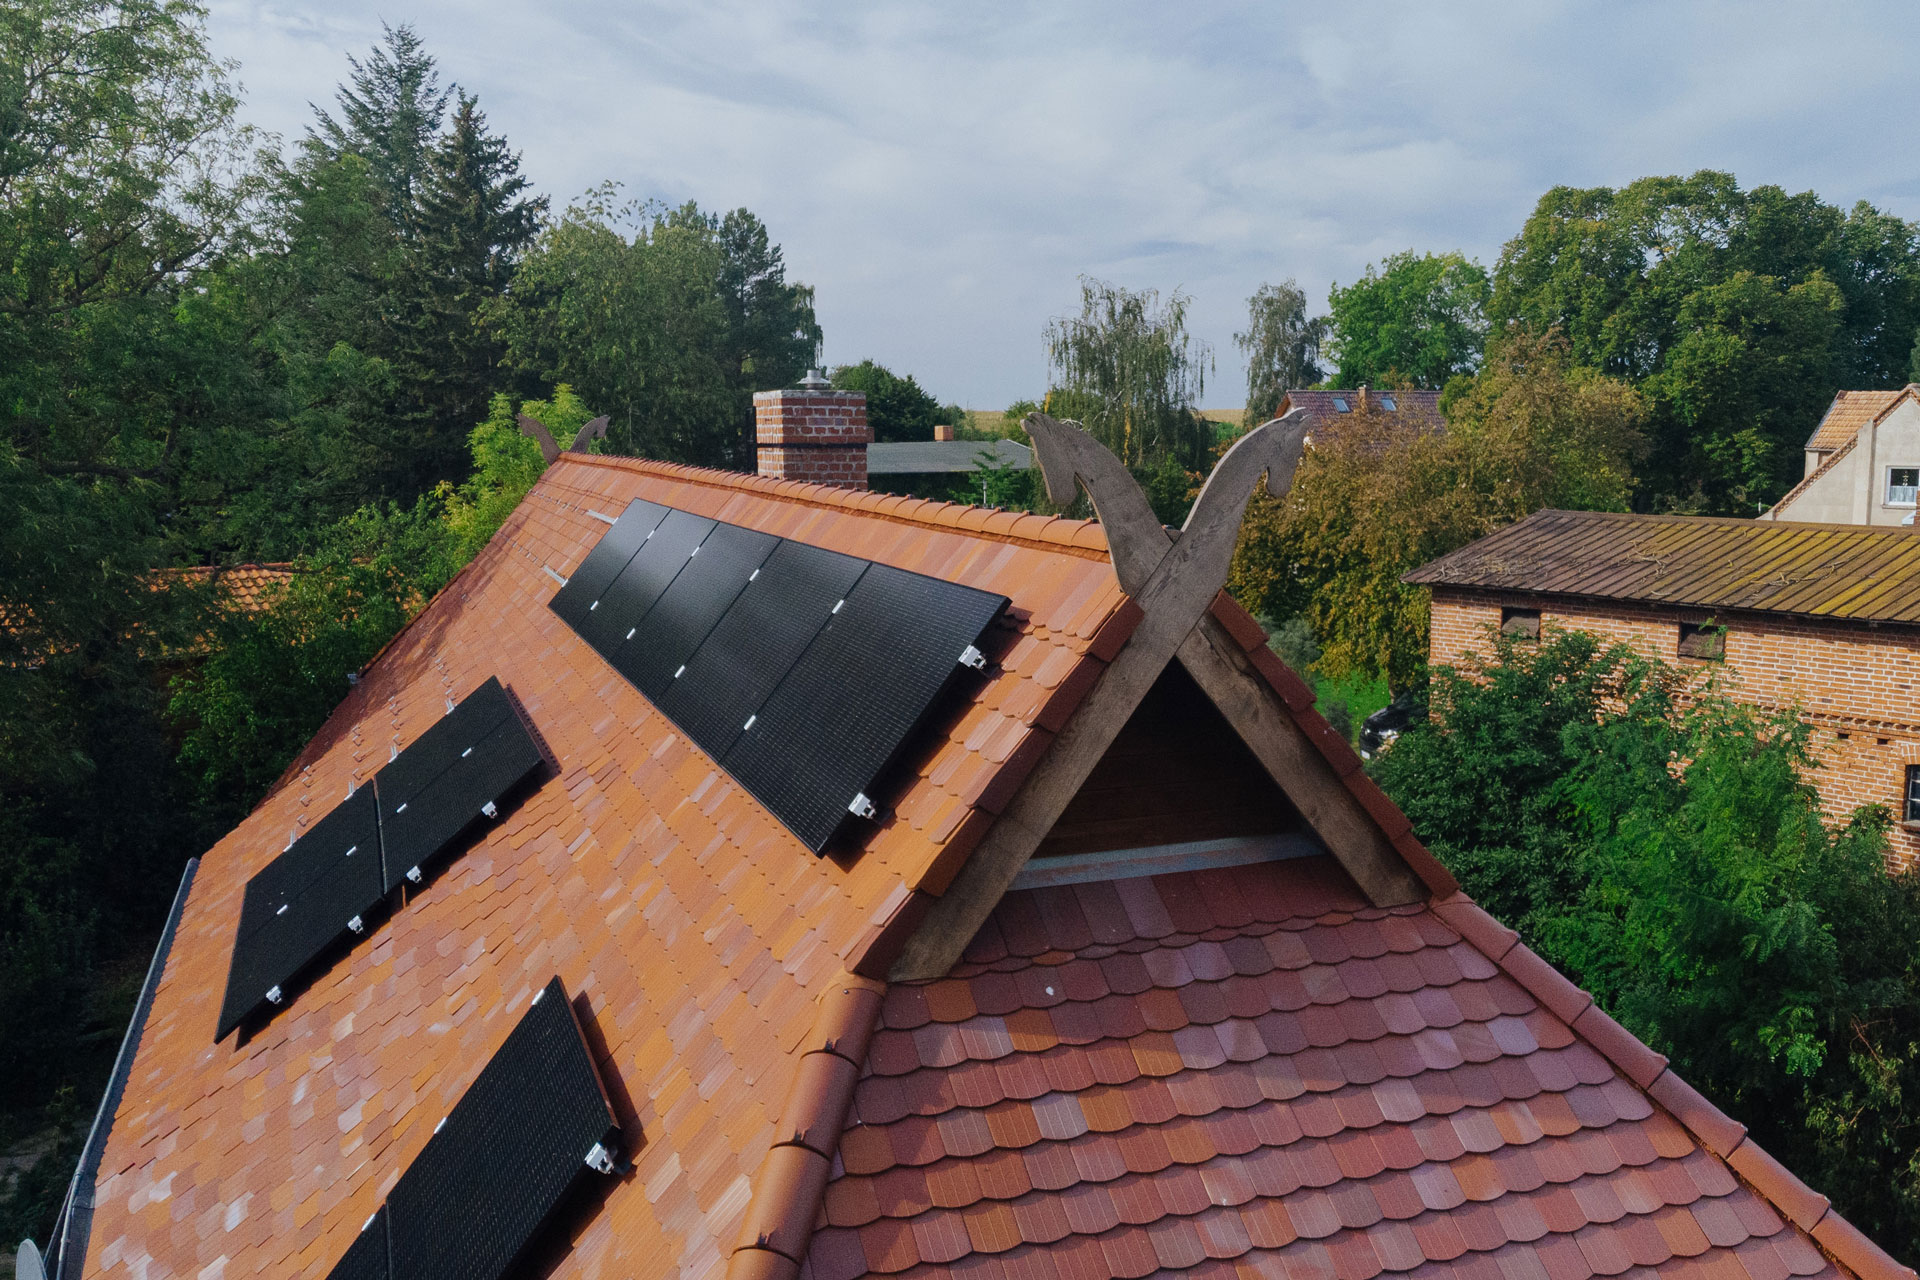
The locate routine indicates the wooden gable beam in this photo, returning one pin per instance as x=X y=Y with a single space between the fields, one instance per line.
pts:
x=1173 y=580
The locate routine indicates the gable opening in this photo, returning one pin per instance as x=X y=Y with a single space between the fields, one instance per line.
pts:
x=1177 y=778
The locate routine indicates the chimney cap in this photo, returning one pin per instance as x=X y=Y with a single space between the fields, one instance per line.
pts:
x=815 y=381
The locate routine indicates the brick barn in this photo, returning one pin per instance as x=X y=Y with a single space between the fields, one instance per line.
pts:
x=1118 y=966
x=1820 y=618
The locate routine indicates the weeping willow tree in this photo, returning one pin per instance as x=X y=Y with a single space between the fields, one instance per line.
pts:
x=1127 y=369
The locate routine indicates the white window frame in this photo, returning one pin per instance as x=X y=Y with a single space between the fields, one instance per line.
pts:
x=1910 y=490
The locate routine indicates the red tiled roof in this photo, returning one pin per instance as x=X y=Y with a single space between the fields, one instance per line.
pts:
x=1253 y=1072
x=247 y=587
x=698 y=928
x=1241 y=1069
x=1850 y=411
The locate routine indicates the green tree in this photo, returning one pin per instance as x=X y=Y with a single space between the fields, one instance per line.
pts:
x=1131 y=374
x=1739 y=313
x=1374 y=499
x=1416 y=320
x=1658 y=841
x=648 y=325
x=471 y=222
x=390 y=111
x=772 y=337
x=897 y=407
x=1282 y=345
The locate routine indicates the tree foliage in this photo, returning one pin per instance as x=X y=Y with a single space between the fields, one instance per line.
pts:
x=898 y=408
x=1282 y=345
x=1738 y=313
x=1376 y=497
x=1416 y=320
x=670 y=327
x=1657 y=841
x=1127 y=370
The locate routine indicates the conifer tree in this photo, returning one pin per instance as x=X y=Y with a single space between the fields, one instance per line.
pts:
x=470 y=223
x=390 y=110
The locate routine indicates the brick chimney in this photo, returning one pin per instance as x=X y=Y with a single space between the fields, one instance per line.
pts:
x=943 y=433
x=813 y=433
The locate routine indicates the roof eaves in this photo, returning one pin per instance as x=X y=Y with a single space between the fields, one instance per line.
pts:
x=1725 y=1137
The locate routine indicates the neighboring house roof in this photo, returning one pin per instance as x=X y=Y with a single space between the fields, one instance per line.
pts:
x=248 y=587
x=1212 y=1071
x=1329 y=403
x=1848 y=572
x=1850 y=411
x=922 y=457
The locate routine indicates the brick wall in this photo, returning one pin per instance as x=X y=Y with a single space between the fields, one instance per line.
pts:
x=1855 y=684
x=813 y=434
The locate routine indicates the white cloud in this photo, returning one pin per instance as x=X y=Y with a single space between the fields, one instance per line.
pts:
x=942 y=173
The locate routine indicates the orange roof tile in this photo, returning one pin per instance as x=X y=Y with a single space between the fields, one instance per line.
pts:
x=698 y=928
x=1253 y=1072
x=1214 y=1072
x=1850 y=411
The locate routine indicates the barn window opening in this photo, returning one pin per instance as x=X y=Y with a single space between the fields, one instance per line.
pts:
x=1524 y=623
x=1913 y=793
x=1702 y=640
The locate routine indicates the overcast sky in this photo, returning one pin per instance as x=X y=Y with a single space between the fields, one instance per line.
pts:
x=942 y=174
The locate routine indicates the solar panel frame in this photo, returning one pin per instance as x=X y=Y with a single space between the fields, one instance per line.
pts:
x=757 y=641
x=507 y=1155
x=808 y=713
x=849 y=706
x=690 y=606
x=436 y=750
x=281 y=934
x=422 y=830
x=625 y=602
x=608 y=557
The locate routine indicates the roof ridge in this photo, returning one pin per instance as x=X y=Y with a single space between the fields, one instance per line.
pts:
x=1049 y=533
x=1726 y=1137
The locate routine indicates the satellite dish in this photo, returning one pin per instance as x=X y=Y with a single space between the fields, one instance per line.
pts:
x=26 y=1263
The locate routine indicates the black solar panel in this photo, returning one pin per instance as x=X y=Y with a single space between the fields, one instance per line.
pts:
x=802 y=671
x=626 y=600
x=758 y=640
x=488 y=753
x=301 y=903
x=690 y=606
x=604 y=563
x=366 y=1258
x=333 y=881
x=514 y=1145
x=852 y=700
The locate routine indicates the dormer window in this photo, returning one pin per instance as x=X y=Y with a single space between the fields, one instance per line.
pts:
x=1386 y=402
x=1340 y=403
x=1903 y=485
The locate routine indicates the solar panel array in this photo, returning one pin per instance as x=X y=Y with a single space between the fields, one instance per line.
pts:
x=327 y=886
x=524 y=1133
x=802 y=671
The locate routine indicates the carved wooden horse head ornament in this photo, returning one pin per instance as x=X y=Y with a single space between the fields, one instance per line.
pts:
x=1160 y=571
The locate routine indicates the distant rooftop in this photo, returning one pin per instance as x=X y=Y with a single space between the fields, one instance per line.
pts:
x=926 y=457
x=1840 y=572
x=1332 y=402
x=1850 y=411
